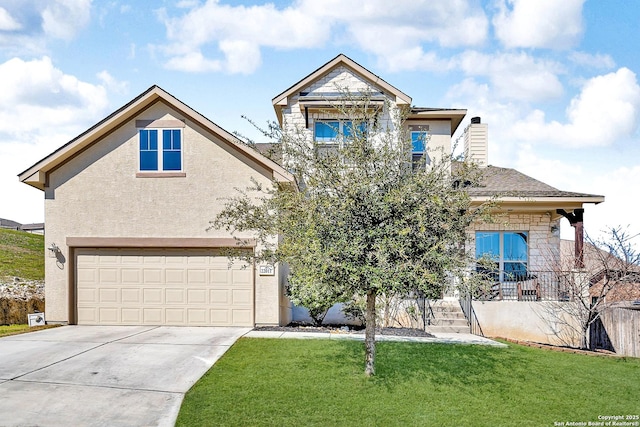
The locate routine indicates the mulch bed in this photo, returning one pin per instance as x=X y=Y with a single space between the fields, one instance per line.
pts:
x=344 y=329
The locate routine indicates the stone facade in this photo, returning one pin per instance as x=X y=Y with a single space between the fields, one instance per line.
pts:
x=544 y=236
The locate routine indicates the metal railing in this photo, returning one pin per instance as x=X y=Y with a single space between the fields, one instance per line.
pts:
x=524 y=286
x=466 y=302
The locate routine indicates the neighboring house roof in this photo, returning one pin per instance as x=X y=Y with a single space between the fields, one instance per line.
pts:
x=32 y=227
x=272 y=150
x=511 y=186
x=600 y=263
x=7 y=223
x=36 y=175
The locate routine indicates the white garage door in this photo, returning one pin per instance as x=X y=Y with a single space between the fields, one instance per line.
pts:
x=162 y=287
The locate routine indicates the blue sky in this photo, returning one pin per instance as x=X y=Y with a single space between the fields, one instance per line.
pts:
x=557 y=81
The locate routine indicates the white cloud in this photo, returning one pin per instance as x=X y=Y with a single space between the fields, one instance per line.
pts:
x=36 y=95
x=539 y=24
x=111 y=84
x=597 y=60
x=41 y=108
x=240 y=32
x=62 y=19
x=31 y=23
x=517 y=76
x=620 y=206
x=606 y=110
x=7 y=22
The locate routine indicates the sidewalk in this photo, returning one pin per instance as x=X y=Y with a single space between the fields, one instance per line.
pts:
x=448 y=338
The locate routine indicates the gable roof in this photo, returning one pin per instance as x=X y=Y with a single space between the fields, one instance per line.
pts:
x=512 y=188
x=281 y=100
x=36 y=175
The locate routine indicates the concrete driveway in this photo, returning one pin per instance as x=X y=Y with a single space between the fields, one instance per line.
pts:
x=105 y=375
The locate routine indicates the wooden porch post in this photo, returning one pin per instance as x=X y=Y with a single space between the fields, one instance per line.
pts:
x=576 y=219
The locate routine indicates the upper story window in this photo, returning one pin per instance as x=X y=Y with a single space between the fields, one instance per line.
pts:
x=332 y=131
x=419 y=154
x=508 y=250
x=160 y=150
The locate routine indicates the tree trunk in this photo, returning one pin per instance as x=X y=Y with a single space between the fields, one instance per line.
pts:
x=370 y=334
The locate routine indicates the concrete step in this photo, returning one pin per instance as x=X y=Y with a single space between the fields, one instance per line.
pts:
x=448 y=329
x=449 y=322
x=449 y=314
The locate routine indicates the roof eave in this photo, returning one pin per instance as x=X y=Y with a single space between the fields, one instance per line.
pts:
x=282 y=98
x=455 y=115
x=36 y=174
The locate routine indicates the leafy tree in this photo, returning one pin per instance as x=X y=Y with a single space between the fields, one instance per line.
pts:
x=364 y=218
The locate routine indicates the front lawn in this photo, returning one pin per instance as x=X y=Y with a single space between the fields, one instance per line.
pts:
x=289 y=382
x=6 y=330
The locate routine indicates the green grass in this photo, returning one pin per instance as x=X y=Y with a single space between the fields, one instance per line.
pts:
x=6 y=330
x=21 y=255
x=321 y=382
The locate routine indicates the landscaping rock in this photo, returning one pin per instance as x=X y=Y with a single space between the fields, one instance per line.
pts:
x=18 y=298
x=345 y=329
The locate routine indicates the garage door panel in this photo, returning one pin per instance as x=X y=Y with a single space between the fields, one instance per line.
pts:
x=109 y=315
x=220 y=317
x=87 y=315
x=158 y=287
x=175 y=316
x=152 y=316
x=197 y=276
x=241 y=297
x=196 y=296
x=152 y=275
x=197 y=316
x=241 y=317
x=219 y=296
x=108 y=295
x=131 y=296
x=87 y=295
x=152 y=296
x=241 y=276
x=130 y=275
x=219 y=276
x=108 y=275
x=174 y=296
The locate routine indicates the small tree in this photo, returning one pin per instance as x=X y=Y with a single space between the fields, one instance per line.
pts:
x=611 y=275
x=365 y=218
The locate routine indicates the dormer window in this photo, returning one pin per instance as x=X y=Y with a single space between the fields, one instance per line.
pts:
x=160 y=150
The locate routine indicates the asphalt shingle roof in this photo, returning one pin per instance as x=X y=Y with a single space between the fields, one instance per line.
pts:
x=506 y=181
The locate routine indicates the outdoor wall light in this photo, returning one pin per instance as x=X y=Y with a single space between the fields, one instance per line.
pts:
x=54 y=250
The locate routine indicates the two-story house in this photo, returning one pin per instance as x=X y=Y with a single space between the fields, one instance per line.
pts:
x=127 y=205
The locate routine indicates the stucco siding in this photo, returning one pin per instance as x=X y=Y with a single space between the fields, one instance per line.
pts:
x=528 y=321
x=97 y=194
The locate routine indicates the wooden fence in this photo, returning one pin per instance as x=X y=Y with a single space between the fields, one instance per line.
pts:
x=618 y=330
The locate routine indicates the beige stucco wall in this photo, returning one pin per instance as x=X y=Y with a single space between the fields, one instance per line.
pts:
x=97 y=194
x=543 y=322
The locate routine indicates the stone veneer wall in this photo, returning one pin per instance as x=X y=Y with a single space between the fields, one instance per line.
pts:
x=544 y=245
x=336 y=80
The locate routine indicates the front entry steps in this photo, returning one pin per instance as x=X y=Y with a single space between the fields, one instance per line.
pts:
x=446 y=317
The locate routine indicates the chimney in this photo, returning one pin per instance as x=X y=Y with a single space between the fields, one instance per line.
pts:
x=476 y=142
